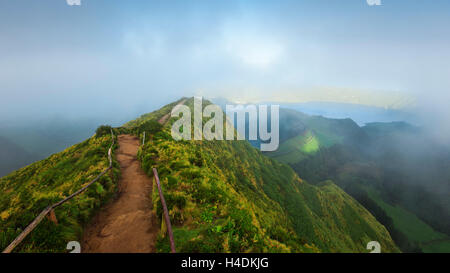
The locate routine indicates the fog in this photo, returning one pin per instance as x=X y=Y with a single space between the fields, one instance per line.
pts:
x=114 y=60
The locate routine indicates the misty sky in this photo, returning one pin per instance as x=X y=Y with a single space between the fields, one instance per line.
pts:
x=111 y=58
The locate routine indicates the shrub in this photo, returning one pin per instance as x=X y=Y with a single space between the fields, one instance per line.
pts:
x=103 y=130
x=151 y=126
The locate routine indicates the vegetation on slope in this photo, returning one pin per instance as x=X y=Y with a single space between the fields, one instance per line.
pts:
x=406 y=169
x=27 y=191
x=303 y=135
x=415 y=230
x=297 y=148
x=223 y=196
x=226 y=196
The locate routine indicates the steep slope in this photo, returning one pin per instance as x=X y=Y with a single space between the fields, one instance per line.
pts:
x=394 y=169
x=223 y=196
x=27 y=191
x=226 y=196
x=303 y=135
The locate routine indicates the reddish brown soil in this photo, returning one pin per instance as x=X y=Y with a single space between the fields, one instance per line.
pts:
x=166 y=117
x=128 y=223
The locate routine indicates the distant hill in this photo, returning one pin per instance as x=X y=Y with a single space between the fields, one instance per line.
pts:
x=302 y=135
x=361 y=114
x=394 y=169
x=382 y=129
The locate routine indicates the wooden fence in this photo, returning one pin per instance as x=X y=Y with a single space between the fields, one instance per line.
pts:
x=50 y=208
x=166 y=212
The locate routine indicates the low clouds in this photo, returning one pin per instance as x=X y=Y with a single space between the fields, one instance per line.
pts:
x=141 y=54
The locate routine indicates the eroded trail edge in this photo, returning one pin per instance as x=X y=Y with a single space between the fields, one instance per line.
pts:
x=128 y=224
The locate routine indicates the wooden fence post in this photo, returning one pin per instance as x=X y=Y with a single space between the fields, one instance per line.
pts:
x=52 y=216
x=166 y=212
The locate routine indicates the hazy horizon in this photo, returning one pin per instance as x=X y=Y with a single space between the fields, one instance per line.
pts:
x=115 y=60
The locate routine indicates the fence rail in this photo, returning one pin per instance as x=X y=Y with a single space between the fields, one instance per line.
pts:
x=50 y=208
x=166 y=212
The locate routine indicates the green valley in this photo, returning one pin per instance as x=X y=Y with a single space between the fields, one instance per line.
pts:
x=382 y=165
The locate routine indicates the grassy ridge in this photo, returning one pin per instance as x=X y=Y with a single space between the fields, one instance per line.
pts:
x=226 y=196
x=309 y=134
x=223 y=196
x=405 y=171
x=27 y=191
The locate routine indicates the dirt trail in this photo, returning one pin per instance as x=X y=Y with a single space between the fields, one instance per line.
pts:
x=128 y=224
x=166 y=117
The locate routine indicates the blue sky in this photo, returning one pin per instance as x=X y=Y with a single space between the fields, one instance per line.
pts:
x=132 y=56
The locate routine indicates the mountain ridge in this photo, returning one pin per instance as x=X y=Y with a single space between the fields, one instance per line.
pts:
x=254 y=179
x=382 y=165
x=223 y=196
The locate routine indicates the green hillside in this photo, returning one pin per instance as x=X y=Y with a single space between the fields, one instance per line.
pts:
x=416 y=230
x=27 y=191
x=226 y=196
x=223 y=196
x=297 y=148
x=303 y=135
x=393 y=169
